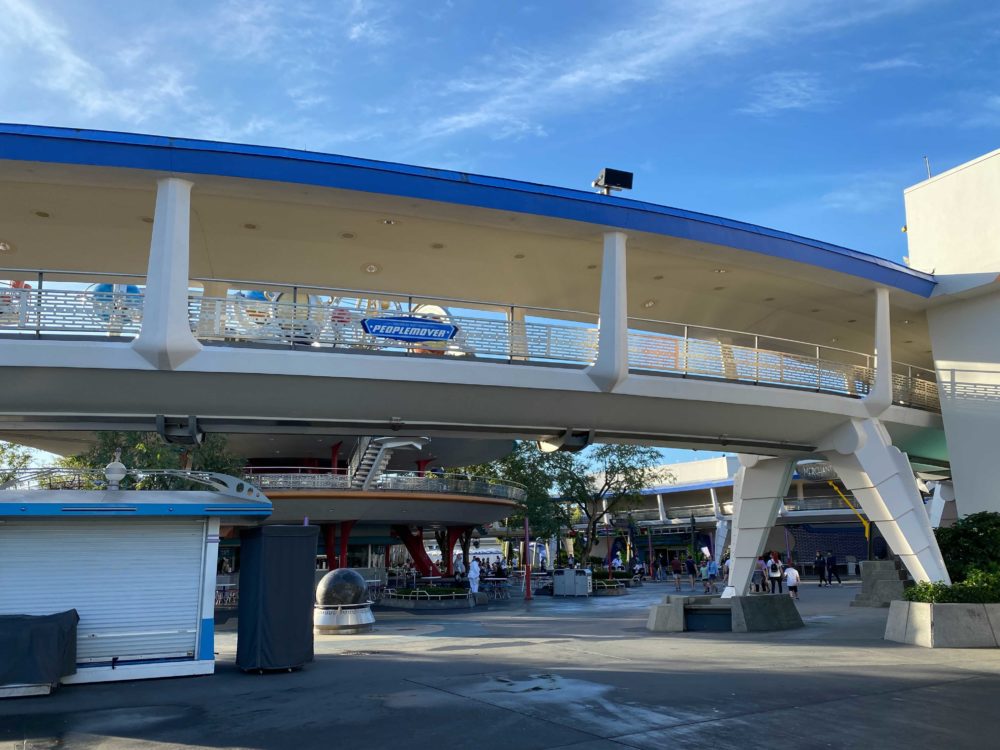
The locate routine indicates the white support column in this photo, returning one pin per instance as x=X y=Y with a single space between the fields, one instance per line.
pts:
x=881 y=478
x=660 y=507
x=721 y=537
x=165 y=339
x=942 y=511
x=761 y=484
x=880 y=397
x=611 y=366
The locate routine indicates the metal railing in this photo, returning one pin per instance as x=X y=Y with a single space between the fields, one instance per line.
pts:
x=320 y=318
x=58 y=478
x=449 y=484
x=321 y=325
x=40 y=311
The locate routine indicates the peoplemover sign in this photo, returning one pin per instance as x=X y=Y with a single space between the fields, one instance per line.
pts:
x=408 y=328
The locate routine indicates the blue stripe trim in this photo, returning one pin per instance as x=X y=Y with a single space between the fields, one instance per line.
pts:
x=73 y=510
x=188 y=156
x=206 y=641
x=671 y=488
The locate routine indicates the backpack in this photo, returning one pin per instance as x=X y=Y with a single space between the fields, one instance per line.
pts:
x=774 y=567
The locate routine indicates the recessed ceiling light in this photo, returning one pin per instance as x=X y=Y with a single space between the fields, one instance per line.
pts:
x=591 y=267
x=720 y=270
x=389 y=222
x=250 y=226
x=908 y=341
x=853 y=320
x=371 y=268
x=437 y=245
x=718 y=288
x=519 y=256
x=7 y=248
x=347 y=235
x=769 y=299
x=658 y=277
x=649 y=303
x=906 y=322
x=833 y=340
x=42 y=214
x=146 y=219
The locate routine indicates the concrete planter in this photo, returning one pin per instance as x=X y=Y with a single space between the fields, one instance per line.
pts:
x=458 y=602
x=944 y=625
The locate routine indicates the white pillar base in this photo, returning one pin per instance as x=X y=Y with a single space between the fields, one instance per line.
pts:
x=881 y=478
x=761 y=484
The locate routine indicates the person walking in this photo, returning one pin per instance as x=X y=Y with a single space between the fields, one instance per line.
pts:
x=819 y=565
x=775 y=573
x=676 y=568
x=691 y=568
x=762 y=567
x=831 y=569
x=474 y=575
x=712 y=567
x=792 y=578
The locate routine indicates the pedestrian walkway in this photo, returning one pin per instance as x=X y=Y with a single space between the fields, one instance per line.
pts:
x=553 y=673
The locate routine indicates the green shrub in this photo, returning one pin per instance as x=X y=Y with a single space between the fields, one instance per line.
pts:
x=979 y=587
x=973 y=543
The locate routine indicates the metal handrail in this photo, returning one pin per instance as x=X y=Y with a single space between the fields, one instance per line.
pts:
x=456 y=484
x=59 y=478
x=689 y=351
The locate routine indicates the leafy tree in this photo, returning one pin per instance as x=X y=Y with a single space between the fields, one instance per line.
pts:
x=601 y=480
x=146 y=450
x=566 y=488
x=12 y=458
x=528 y=466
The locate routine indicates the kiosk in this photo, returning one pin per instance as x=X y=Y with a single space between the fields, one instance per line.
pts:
x=138 y=566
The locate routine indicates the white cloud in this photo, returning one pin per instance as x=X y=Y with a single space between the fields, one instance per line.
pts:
x=662 y=47
x=864 y=194
x=889 y=63
x=785 y=90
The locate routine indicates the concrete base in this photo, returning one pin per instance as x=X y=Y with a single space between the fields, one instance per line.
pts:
x=944 y=625
x=467 y=602
x=882 y=582
x=348 y=619
x=667 y=617
x=760 y=614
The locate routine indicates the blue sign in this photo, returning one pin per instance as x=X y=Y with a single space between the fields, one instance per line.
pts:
x=408 y=328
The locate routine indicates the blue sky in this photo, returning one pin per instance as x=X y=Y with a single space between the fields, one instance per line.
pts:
x=807 y=116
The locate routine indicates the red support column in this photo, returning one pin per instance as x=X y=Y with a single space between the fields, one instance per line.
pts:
x=454 y=535
x=335 y=455
x=414 y=543
x=422 y=465
x=329 y=543
x=388 y=555
x=345 y=534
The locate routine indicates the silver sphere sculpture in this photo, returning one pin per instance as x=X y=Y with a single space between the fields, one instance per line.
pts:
x=341 y=586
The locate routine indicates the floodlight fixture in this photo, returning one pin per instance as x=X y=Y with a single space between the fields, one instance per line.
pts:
x=613 y=179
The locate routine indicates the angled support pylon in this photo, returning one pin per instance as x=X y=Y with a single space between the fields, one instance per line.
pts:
x=761 y=484
x=881 y=478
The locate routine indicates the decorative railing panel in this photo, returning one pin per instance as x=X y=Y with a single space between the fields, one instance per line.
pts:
x=62 y=311
x=322 y=326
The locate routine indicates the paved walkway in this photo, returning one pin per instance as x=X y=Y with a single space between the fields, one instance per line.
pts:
x=581 y=674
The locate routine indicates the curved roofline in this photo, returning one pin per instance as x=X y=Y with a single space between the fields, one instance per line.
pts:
x=191 y=156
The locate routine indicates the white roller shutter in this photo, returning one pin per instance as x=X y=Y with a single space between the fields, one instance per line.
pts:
x=136 y=583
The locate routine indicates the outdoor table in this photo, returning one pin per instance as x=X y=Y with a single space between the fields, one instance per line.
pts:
x=429 y=580
x=497 y=588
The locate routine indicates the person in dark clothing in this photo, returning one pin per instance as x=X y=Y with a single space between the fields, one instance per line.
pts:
x=689 y=566
x=831 y=569
x=819 y=565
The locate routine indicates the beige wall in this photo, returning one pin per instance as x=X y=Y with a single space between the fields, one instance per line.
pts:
x=953 y=223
